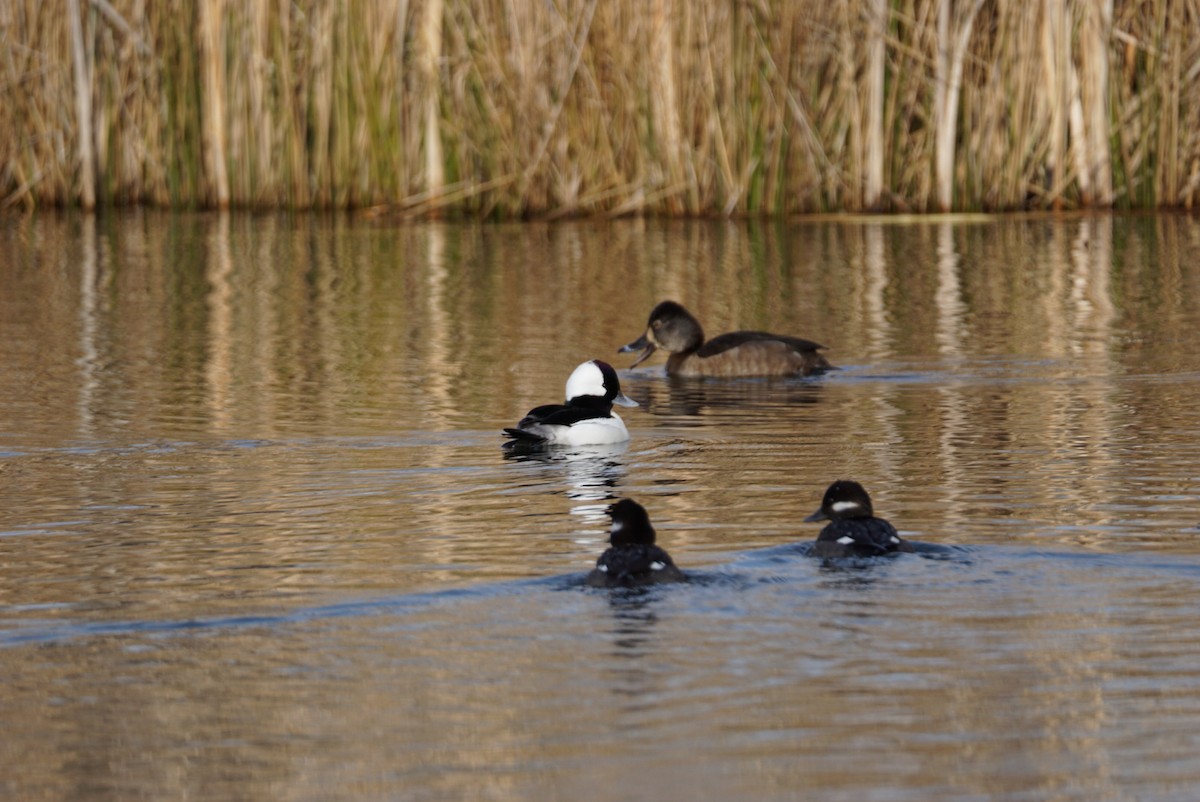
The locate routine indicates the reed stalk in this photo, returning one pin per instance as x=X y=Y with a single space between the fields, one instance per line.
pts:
x=83 y=108
x=1055 y=101
x=431 y=55
x=952 y=40
x=498 y=108
x=1095 y=170
x=213 y=85
x=876 y=51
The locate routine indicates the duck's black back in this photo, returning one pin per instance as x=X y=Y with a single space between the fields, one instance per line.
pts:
x=633 y=564
x=859 y=537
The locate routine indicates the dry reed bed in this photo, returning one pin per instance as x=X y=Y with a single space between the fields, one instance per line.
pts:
x=532 y=108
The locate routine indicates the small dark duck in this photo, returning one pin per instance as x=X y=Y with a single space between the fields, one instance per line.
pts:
x=853 y=530
x=736 y=354
x=632 y=559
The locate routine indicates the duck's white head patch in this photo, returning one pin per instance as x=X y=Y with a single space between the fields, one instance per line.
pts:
x=586 y=380
x=843 y=506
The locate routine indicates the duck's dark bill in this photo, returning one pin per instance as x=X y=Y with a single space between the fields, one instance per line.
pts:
x=642 y=344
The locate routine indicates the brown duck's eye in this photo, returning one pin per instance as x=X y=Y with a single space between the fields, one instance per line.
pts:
x=656 y=325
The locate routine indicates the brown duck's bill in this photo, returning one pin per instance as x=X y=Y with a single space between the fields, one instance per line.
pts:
x=642 y=344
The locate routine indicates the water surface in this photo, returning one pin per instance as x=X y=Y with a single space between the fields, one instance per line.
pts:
x=258 y=538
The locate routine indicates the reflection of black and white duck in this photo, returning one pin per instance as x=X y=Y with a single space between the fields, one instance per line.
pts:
x=739 y=353
x=853 y=530
x=587 y=417
x=591 y=473
x=632 y=559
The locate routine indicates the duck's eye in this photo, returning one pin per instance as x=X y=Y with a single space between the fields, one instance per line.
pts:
x=656 y=325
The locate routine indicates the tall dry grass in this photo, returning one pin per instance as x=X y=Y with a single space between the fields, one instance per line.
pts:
x=515 y=108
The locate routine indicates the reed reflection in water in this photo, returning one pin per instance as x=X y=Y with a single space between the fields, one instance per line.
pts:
x=258 y=537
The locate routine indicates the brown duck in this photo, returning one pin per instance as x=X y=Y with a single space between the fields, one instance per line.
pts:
x=738 y=353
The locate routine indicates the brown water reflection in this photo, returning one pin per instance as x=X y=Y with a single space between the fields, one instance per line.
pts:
x=329 y=316
x=258 y=538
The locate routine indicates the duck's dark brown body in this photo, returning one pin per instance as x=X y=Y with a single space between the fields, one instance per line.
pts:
x=737 y=354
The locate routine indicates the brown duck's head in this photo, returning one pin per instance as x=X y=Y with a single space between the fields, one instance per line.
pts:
x=671 y=328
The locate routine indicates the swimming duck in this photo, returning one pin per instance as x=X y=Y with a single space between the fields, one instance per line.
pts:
x=739 y=353
x=853 y=530
x=585 y=419
x=632 y=558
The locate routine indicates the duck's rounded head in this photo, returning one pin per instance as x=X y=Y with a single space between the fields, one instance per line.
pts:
x=672 y=328
x=843 y=499
x=630 y=524
x=596 y=380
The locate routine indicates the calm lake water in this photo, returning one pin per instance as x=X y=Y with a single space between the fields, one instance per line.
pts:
x=258 y=539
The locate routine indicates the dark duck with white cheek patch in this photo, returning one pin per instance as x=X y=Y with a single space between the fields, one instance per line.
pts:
x=587 y=417
x=737 y=354
x=632 y=559
x=853 y=530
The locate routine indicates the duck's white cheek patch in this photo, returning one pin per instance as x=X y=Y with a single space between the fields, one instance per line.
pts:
x=842 y=506
x=657 y=566
x=602 y=568
x=617 y=527
x=845 y=540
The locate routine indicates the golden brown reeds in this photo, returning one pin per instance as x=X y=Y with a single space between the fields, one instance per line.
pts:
x=506 y=108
